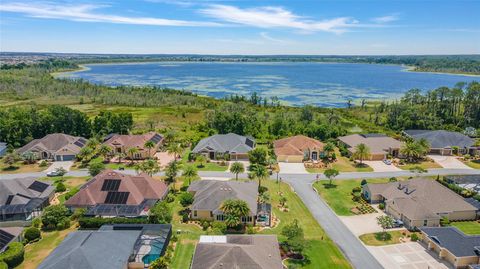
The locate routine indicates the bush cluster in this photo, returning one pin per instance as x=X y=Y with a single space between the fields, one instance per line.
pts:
x=32 y=234
x=13 y=256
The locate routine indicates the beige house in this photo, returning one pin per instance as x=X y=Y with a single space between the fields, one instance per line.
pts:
x=419 y=202
x=122 y=143
x=452 y=245
x=209 y=196
x=297 y=149
x=380 y=145
x=225 y=146
x=55 y=147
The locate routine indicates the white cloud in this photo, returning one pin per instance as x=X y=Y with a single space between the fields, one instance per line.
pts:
x=271 y=17
x=85 y=12
x=386 y=19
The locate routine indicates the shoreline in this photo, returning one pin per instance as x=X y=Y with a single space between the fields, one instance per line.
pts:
x=410 y=68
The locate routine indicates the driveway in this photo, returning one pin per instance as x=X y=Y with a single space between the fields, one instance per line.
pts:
x=410 y=255
x=449 y=162
x=65 y=165
x=292 y=168
x=164 y=158
x=363 y=224
x=379 y=166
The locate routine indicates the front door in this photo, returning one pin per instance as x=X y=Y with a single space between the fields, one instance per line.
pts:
x=314 y=155
x=211 y=155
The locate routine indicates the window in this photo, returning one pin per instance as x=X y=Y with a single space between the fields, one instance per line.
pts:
x=194 y=213
x=425 y=223
x=246 y=219
x=220 y=218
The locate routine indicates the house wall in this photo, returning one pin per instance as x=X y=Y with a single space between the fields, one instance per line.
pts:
x=290 y=158
x=202 y=215
x=377 y=156
x=457 y=262
x=462 y=215
x=371 y=197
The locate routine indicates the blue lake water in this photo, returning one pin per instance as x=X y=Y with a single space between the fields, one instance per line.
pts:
x=323 y=84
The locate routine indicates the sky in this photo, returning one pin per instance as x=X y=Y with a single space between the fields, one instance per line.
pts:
x=313 y=27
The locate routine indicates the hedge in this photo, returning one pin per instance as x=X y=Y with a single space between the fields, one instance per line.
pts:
x=3 y=265
x=32 y=234
x=97 y=222
x=13 y=256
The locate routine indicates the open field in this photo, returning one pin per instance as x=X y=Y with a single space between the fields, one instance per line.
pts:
x=468 y=227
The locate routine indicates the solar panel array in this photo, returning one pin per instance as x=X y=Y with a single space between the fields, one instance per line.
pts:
x=5 y=238
x=38 y=186
x=80 y=142
x=156 y=138
x=114 y=210
x=117 y=197
x=249 y=143
x=111 y=185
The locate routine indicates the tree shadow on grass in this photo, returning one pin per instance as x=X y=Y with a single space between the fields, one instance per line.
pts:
x=10 y=168
x=383 y=236
x=327 y=185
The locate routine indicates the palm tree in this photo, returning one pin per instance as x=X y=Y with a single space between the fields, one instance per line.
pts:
x=92 y=143
x=362 y=152
x=190 y=172
x=331 y=174
x=149 y=145
x=104 y=151
x=85 y=154
x=175 y=149
x=332 y=117
x=259 y=172
x=234 y=210
x=131 y=153
x=237 y=168
x=201 y=159
x=120 y=155
x=150 y=167
x=171 y=172
x=425 y=146
x=264 y=197
x=411 y=150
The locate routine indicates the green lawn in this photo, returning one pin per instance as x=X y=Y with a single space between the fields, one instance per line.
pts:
x=424 y=165
x=468 y=227
x=20 y=167
x=372 y=239
x=339 y=197
x=475 y=164
x=342 y=164
x=211 y=166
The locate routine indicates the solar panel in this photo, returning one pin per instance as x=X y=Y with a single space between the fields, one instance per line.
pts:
x=116 y=197
x=38 y=186
x=78 y=144
x=5 y=238
x=156 y=138
x=249 y=143
x=111 y=185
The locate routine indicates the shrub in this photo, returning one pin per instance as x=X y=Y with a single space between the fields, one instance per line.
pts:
x=60 y=187
x=205 y=224
x=444 y=221
x=262 y=189
x=250 y=229
x=174 y=238
x=160 y=213
x=32 y=234
x=36 y=222
x=3 y=265
x=55 y=217
x=221 y=227
x=356 y=189
x=381 y=206
x=186 y=199
x=170 y=198
x=78 y=213
x=13 y=256
x=43 y=163
x=414 y=237
x=95 y=167
x=364 y=181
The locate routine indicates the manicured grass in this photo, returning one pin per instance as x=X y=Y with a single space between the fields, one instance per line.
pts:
x=339 y=196
x=35 y=253
x=424 y=165
x=342 y=164
x=468 y=227
x=372 y=239
x=211 y=166
x=475 y=164
x=19 y=167
x=183 y=254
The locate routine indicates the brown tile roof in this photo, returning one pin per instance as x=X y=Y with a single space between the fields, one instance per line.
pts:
x=239 y=252
x=131 y=141
x=296 y=145
x=420 y=198
x=55 y=142
x=141 y=187
x=377 y=143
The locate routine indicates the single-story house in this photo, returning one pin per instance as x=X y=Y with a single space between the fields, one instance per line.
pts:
x=9 y=235
x=232 y=146
x=22 y=199
x=442 y=142
x=126 y=246
x=122 y=143
x=297 y=149
x=111 y=194
x=55 y=147
x=380 y=145
x=452 y=245
x=209 y=196
x=419 y=202
x=237 y=251
x=3 y=149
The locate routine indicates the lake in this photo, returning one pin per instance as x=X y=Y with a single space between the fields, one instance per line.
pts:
x=322 y=84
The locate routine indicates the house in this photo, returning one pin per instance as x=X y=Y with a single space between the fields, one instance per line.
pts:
x=55 y=147
x=452 y=245
x=419 y=202
x=237 y=251
x=115 y=194
x=3 y=149
x=127 y=246
x=228 y=146
x=380 y=145
x=22 y=199
x=443 y=142
x=122 y=143
x=469 y=182
x=209 y=196
x=297 y=149
x=9 y=235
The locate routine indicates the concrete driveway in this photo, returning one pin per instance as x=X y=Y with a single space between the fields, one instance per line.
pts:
x=292 y=168
x=379 y=166
x=65 y=165
x=410 y=255
x=164 y=158
x=449 y=162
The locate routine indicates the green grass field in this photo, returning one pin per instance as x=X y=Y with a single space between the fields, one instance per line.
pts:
x=468 y=227
x=424 y=165
x=342 y=164
x=20 y=167
x=372 y=239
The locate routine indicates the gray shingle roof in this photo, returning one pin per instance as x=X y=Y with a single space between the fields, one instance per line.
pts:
x=210 y=194
x=106 y=249
x=53 y=143
x=239 y=252
x=458 y=243
x=225 y=143
x=19 y=191
x=377 y=143
x=442 y=138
